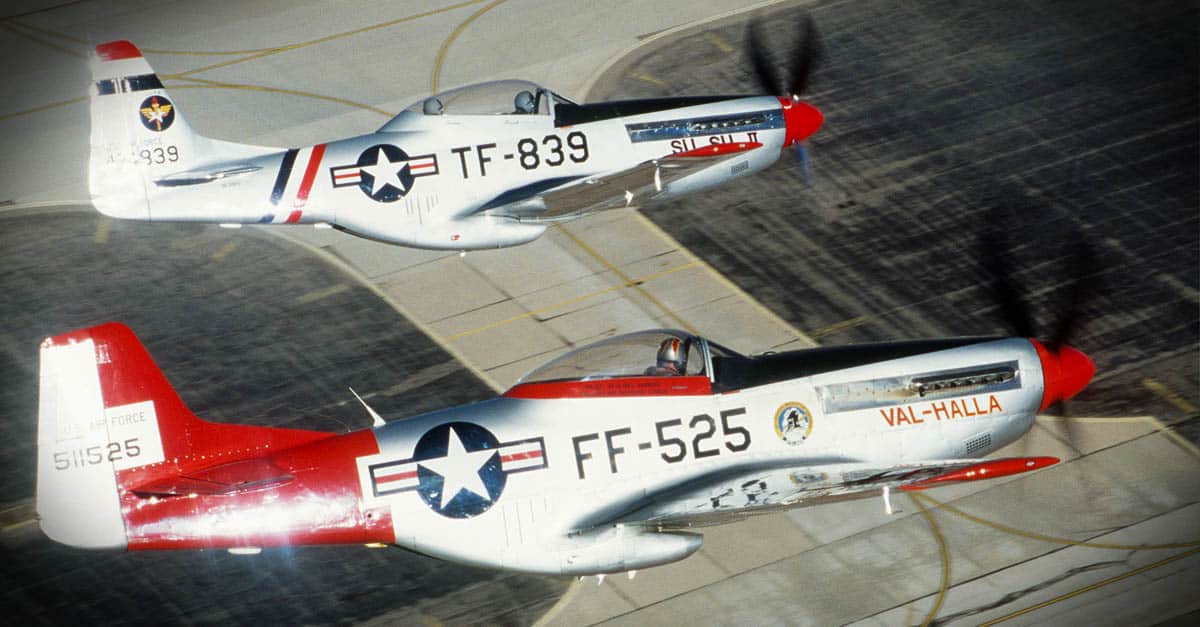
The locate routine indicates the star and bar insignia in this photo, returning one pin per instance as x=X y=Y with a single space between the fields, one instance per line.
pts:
x=459 y=469
x=383 y=172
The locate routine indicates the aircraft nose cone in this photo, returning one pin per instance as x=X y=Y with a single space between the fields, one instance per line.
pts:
x=1065 y=372
x=801 y=119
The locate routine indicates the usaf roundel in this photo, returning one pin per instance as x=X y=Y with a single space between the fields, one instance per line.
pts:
x=384 y=172
x=459 y=469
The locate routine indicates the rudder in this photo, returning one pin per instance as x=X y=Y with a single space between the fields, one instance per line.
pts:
x=110 y=423
x=139 y=136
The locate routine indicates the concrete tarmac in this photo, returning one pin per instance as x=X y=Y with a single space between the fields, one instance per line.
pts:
x=931 y=110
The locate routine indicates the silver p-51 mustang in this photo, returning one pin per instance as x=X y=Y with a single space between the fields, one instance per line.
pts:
x=597 y=462
x=482 y=166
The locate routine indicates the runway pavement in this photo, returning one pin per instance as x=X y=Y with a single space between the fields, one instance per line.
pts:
x=932 y=110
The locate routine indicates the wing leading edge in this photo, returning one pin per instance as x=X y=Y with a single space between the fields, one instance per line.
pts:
x=718 y=497
x=624 y=188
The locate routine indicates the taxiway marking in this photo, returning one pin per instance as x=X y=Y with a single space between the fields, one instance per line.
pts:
x=45 y=107
x=1171 y=396
x=224 y=251
x=734 y=288
x=1173 y=435
x=625 y=278
x=717 y=41
x=944 y=554
x=441 y=55
x=210 y=84
x=328 y=38
x=650 y=78
x=10 y=26
x=857 y=321
x=253 y=54
x=102 y=227
x=1051 y=539
x=326 y=292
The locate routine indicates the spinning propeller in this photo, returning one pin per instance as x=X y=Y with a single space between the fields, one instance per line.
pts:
x=802 y=119
x=1066 y=370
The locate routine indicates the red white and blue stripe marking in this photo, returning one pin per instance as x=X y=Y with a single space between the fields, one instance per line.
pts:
x=309 y=160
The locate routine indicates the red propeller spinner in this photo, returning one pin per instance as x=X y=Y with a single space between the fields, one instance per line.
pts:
x=1065 y=372
x=800 y=118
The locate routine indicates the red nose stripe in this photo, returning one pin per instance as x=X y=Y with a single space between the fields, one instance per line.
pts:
x=1064 y=373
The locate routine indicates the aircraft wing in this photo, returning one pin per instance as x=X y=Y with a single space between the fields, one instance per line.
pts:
x=624 y=188
x=718 y=497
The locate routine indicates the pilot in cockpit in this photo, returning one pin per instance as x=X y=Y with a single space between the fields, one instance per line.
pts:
x=524 y=102
x=671 y=359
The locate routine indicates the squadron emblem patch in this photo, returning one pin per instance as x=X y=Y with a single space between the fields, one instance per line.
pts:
x=157 y=113
x=793 y=423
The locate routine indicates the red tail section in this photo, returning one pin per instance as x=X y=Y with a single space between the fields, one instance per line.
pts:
x=129 y=378
x=123 y=462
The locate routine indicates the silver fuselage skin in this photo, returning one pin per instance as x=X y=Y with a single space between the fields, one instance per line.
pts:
x=618 y=465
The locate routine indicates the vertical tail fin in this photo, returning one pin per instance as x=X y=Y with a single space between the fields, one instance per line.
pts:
x=109 y=422
x=72 y=434
x=139 y=135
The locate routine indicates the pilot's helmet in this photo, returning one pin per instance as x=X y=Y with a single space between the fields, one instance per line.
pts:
x=524 y=102
x=432 y=106
x=671 y=355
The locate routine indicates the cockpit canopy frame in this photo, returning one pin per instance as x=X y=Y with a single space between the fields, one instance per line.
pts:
x=629 y=355
x=503 y=97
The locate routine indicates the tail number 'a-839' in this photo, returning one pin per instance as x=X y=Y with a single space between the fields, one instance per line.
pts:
x=700 y=437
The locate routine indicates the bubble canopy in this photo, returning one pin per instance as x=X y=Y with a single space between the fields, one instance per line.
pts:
x=631 y=355
x=491 y=98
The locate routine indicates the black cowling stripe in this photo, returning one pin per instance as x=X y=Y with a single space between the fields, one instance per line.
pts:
x=735 y=372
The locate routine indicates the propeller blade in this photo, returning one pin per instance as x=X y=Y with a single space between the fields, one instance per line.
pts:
x=996 y=259
x=1015 y=310
x=1081 y=265
x=806 y=57
x=760 y=60
x=802 y=155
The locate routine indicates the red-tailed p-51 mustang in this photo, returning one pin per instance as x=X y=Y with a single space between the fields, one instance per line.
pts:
x=595 y=463
x=483 y=166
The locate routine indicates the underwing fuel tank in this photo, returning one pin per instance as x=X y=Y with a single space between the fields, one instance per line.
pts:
x=623 y=548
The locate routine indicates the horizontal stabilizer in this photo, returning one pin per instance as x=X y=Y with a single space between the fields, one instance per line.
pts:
x=198 y=177
x=240 y=476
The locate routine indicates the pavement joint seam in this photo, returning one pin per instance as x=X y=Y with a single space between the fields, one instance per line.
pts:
x=626 y=279
x=1097 y=585
x=533 y=313
x=1052 y=539
x=1060 y=547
